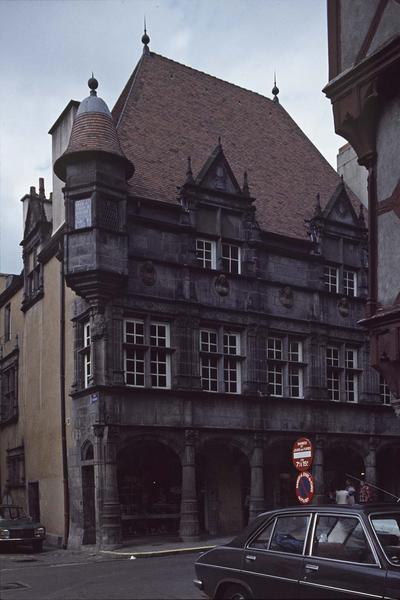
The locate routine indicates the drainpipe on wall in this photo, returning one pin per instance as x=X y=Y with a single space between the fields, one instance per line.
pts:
x=62 y=399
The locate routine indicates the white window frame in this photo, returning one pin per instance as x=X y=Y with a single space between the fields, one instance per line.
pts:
x=230 y=264
x=331 y=278
x=350 y=290
x=206 y=253
x=148 y=360
x=385 y=395
x=342 y=373
x=286 y=375
x=87 y=357
x=222 y=372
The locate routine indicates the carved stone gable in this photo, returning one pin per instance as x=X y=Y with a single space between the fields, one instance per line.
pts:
x=216 y=174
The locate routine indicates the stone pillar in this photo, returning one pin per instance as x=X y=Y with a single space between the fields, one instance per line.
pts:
x=111 y=513
x=98 y=343
x=257 y=500
x=318 y=472
x=189 y=524
x=370 y=463
x=115 y=356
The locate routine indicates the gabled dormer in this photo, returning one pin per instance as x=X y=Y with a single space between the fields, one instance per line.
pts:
x=340 y=238
x=37 y=231
x=222 y=215
x=217 y=175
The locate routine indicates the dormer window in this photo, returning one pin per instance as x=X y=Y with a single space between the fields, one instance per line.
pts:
x=349 y=283
x=206 y=253
x=230 y=258
x=340 y=280
x=331 y=279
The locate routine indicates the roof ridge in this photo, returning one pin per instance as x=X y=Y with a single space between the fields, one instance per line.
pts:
x=128 y=87
x=214 y=77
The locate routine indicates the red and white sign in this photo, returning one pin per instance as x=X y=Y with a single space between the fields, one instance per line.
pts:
x=302 y=454
x=304 y=487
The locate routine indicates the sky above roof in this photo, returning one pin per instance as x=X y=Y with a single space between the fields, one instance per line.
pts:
x=49 y=48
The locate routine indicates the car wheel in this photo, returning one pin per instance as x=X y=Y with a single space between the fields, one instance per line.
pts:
x=37 y=545
x=235 y=592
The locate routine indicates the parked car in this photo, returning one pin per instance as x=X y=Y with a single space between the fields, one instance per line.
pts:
x=308 y=552
x=17 y=528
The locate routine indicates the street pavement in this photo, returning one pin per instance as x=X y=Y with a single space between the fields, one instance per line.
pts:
x=146 y=568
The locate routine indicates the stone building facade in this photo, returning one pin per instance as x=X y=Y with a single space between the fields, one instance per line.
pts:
x=205 y=270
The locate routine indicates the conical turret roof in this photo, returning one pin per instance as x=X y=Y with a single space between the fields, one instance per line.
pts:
x=93 y=130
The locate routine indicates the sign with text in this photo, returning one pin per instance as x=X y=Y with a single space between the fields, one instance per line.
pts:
x=302 y=454
x=304 y=487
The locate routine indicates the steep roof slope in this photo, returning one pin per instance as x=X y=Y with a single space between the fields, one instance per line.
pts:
x=168 y=111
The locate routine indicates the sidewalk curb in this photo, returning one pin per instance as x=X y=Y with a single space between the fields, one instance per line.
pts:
x=152 y=553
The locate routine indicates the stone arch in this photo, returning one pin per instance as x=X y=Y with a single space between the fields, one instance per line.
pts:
x=223 y=483
x=343 y=460
x=387 y=475
x=87 y=451
x=279 y=472
x=149 y=475
x=174 y=442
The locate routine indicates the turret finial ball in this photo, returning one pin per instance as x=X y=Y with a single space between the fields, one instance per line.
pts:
x=93 y=83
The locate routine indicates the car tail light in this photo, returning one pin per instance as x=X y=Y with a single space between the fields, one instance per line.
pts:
x=4 y=534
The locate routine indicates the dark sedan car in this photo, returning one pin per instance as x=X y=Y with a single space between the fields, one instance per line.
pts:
x=309 y=552
x=17 y=528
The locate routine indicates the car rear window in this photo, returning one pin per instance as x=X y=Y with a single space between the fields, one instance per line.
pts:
x=340 y=537
x=11 y=512
x=387 y=529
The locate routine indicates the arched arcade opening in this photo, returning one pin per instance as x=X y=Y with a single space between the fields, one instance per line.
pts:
x=149 y=486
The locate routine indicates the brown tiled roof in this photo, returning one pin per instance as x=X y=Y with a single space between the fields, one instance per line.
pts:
x=94 y=131
x=168 y=111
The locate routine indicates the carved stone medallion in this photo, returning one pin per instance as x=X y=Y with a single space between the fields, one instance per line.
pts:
x=286 y=297
x=344 y=307
x=148 y=273
x=222 y=285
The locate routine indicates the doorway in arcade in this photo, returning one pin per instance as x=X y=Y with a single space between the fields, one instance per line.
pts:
x=223 y=488
x=341 y=461
x=149 y=485
x=279 y=475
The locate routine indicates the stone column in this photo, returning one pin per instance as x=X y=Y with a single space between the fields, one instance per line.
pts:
x=98 y=342
x=189 y=524
x=318 y=472
x=111 y=513
x=257 y=500
x=370 y=463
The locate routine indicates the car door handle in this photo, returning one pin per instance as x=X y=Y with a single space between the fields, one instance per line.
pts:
x=251 y=557
x=312 y=568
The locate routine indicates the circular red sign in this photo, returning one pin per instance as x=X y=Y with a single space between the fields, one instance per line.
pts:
x=304 y=487
x=302 y=454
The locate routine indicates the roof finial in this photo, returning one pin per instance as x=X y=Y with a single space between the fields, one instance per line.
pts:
x=93 y=85
x=245 y=189
x=219 y=141
x=275 y=90
x=189 y=173
x=145 y=39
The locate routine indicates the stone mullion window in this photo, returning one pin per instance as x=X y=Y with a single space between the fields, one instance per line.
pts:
x=147 y=353
x=285 y=366
x=342 y=373
x=220 y=360
x=385 y=394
